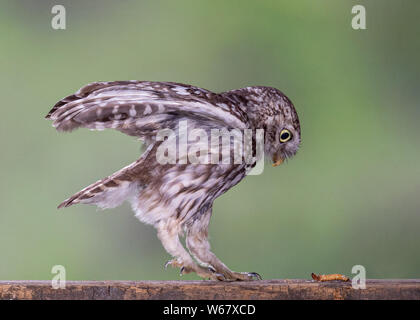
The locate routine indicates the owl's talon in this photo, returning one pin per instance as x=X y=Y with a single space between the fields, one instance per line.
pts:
x=215 y=275
x=219 y=276
x=212 y=269
x=173 y=263
x=212 y=273
x=186 y=269
x=255 y=275
x=242 y=276
x=248 y=276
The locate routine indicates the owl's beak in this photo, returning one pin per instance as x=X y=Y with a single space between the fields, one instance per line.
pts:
x=277 y=160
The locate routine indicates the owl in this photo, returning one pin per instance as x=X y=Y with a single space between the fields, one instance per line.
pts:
x=176 y=197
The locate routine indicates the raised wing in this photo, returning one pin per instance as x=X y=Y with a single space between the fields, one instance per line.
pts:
x=140 y=108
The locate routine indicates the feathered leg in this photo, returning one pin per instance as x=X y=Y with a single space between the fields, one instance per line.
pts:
x=199 y=246
x=168 y=233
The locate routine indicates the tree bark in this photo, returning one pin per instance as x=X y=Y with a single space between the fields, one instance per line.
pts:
x=267 y=289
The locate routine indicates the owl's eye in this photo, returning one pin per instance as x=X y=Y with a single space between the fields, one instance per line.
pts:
x=285 y=135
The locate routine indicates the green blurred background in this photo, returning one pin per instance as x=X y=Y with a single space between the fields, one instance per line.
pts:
x=350 y=196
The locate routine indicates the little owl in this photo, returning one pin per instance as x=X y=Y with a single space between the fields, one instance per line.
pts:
x=177 y=198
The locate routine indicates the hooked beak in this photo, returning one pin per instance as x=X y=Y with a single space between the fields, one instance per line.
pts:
x=277 y=160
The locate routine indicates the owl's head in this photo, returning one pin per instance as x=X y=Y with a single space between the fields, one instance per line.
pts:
x=282 y=137
x=269 y=109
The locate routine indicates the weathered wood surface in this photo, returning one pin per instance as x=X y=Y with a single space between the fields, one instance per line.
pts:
x=168 y=290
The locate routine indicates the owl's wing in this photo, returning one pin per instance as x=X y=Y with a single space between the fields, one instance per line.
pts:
x=140 y=108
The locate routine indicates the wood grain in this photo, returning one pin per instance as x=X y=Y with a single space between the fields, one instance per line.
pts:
x=168 y=290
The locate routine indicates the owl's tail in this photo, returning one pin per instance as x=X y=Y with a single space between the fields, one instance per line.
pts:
x=105 y=193
x=109 y=192
x=113 y=190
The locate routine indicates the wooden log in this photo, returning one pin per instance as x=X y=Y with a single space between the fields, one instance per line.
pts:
x=168 y=290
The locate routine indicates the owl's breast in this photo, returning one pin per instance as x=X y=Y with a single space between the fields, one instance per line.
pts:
x=185 y=191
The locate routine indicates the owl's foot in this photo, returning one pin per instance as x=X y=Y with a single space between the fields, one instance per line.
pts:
x=206 y=273
x=213 y=274
x=209 y=273
x=225 y=274
x=244 y=276
x=239 y=276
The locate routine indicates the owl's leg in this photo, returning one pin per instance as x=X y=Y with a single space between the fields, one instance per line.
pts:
x=199 y=246
x=168 y=233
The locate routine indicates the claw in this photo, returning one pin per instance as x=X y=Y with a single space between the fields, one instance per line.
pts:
x=218 y=276
x=172 y=263
x=255 y=275
x=167 y=263
x=212 y=269
x=212 y=273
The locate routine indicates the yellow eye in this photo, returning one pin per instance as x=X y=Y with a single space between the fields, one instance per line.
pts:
x=285 y=135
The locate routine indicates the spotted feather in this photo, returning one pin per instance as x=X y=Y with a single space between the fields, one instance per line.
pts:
x=131 y=106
